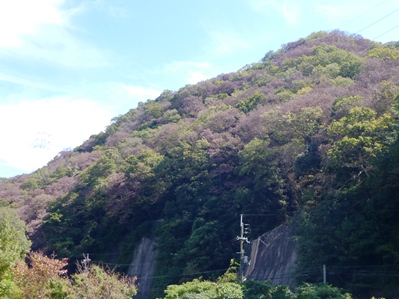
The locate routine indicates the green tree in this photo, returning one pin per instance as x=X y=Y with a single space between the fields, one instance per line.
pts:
x=322 y=291
x=198 y=289
x=154 y=109
x=247 y=104
x=360 y=137
x=304 y=125
x=261 y=162
x=45 y=277
x=96 y=175
x=349 y=63
x=14 y=244
x=384 y=53
x=344 y=103
x=254 y=289
x=99 y=283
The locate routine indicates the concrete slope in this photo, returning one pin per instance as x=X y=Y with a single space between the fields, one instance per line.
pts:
x=273 y=257
x=143 y=266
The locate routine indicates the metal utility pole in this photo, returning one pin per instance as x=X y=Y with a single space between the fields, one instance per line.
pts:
x=243 y=258
x=86 y=262
x=324 y=274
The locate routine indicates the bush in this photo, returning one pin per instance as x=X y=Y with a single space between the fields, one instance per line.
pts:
x=320 y=291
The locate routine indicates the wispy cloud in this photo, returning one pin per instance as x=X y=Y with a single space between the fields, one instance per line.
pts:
x=331 y=10
x=136 y=93
x=196 y=76
x=43 y=128
x=178 y=66
x=355 y=16
x=26 y=82
x=115 y=11
x=291 y=13
x=227 y=42
x=191 y=71
x=42 y=31
x=20 y=18
x=54 y=45
x=336 y=12
x=290 y=10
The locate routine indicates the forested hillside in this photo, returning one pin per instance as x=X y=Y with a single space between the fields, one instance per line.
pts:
x=308 y=133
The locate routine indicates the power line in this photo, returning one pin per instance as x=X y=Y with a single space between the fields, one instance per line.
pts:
x=161 y=276
x=377 y=21
x=362 y=14
x=386 y=32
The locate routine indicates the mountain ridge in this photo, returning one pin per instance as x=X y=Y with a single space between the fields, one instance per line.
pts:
x=299 y=132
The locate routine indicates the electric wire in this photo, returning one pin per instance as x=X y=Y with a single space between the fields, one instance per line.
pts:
x=386 y=32
x=362 y=14
x=384 y=17
x=395 y=273
x=352 y=270
x=364 y=28
x=254 y=231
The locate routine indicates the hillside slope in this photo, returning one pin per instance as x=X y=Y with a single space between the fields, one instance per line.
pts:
x=310 y=130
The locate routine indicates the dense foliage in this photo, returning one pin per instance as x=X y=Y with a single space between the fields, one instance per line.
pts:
x=33 y=275
x=14 y=244
x=310 y=131
x=45 y=277
x=227 y=288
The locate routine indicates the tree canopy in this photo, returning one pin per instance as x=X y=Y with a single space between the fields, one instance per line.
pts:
x=306 y=136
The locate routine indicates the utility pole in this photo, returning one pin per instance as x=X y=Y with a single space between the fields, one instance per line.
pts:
x=324 y=274
x=86 y=262
x=243 y=259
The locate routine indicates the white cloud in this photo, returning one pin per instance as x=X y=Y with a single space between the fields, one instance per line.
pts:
x=191 y=71
x=123 y=96
x=115 y=11
x=331 y=11
x=338 y=11
x=290 y=10
x=262 y=5
x=291 y=13
x=137 y=93
x=26 y=82
x=179 y=66
x=228 y=42
x=356 y=16
x=36 y=131
x=42 y=31
x=19 y=18
x=196 y=76
x=57 y=46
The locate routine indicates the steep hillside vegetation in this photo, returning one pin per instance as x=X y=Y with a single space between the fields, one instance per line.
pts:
x=310 y=130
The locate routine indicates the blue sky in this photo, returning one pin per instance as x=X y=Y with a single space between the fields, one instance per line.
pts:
x=67 y=67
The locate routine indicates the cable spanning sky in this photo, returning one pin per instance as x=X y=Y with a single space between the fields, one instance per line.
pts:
x=67 y=67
